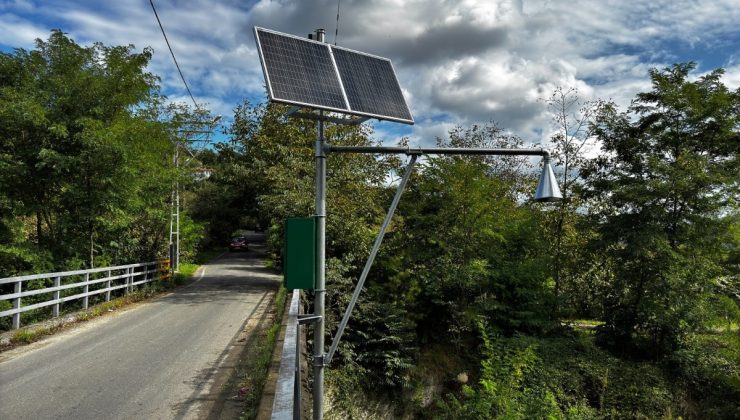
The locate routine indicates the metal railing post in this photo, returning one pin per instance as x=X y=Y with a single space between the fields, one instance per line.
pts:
x=107 y=286
x=17 y=305
x=86 y=290
x=129 y=279
x=57 y=295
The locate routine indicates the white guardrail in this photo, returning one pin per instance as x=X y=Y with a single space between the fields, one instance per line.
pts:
x=114 y=278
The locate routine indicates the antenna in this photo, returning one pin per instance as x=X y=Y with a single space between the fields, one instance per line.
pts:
x=336 y=32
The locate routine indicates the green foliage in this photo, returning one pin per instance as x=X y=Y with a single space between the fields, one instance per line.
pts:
x=709 y=366
x=191 y=236
x=274 y=156
x=569 y=376
x=465 y=247
x=84 y=157
x=668 y=171
x=572 y=139
x=383 y=344
x=506 y=388
x=226 y=201
x=724 y=312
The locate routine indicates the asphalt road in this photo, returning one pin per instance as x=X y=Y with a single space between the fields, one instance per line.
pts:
x=158 y=360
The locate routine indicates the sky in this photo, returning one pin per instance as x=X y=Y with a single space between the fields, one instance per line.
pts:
x=458 y=62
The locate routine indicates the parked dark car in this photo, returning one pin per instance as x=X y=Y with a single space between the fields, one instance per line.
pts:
x=238 y=243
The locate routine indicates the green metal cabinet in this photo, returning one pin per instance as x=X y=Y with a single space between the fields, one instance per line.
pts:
x=299 y=263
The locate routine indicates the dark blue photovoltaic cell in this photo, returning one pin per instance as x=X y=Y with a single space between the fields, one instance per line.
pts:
x=300 y=71
x=371 y=85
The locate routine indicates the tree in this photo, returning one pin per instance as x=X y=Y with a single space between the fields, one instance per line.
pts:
x=657 y=192
x=84 y=159
x=466 y=246
x=572 y=120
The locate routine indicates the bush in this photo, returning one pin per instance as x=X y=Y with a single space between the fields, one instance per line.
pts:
x=510 y=384
x=709 y=367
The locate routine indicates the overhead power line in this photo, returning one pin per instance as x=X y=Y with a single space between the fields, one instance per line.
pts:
x=172 y=53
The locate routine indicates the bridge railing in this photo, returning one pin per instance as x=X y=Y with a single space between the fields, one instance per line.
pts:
x=90 y=282
x=287 y=402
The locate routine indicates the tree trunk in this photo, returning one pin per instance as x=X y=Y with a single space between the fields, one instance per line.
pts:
x=92 y=248
x=38 y=228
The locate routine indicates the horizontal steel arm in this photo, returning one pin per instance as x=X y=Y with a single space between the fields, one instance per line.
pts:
x=435 y=150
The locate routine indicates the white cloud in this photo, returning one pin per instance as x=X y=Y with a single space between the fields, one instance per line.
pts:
x=19 y=32
x=426 y=133
x=732 y=77
x=463 y=61
x=483 y=60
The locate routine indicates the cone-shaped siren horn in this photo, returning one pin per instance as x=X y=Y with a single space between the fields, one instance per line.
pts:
x=547 y=188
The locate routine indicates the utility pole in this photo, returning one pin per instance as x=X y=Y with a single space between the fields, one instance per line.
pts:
x=190 y=142
x=175 y=213
x=320 y=291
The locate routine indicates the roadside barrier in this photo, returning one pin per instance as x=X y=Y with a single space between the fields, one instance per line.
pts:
x=287 y=402
x=91 y=282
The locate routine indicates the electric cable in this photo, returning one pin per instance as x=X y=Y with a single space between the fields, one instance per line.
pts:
x=173 y=54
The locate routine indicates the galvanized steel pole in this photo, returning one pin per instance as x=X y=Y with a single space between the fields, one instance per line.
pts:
x=320 y=291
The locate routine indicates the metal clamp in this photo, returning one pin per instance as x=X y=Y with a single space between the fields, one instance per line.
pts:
x=319 y=360
x=308 y=319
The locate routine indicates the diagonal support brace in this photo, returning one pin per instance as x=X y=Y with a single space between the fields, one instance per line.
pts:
x=370 y=260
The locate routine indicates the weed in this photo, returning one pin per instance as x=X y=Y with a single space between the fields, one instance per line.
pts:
x=184 y=273
x=25 y=336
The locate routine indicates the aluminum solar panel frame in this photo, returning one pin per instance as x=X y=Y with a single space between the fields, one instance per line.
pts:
x=314 y=74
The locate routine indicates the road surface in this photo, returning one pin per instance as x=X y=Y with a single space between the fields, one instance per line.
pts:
x=159 y=360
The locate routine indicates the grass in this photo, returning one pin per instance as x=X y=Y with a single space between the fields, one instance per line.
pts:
x=184 y=272
x=27 y=336
x=186 y=269
x=257 y=364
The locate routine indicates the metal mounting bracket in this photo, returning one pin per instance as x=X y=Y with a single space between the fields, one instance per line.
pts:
x=293 y=113
x=308 y=319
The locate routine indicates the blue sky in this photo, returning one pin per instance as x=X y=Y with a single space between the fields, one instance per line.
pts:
x=459 y=62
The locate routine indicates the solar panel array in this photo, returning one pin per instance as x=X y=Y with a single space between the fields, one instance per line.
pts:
x=308 y=73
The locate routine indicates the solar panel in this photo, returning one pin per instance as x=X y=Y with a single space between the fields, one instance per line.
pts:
x=308 y=73
x=371 y=85
x=300 y=71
